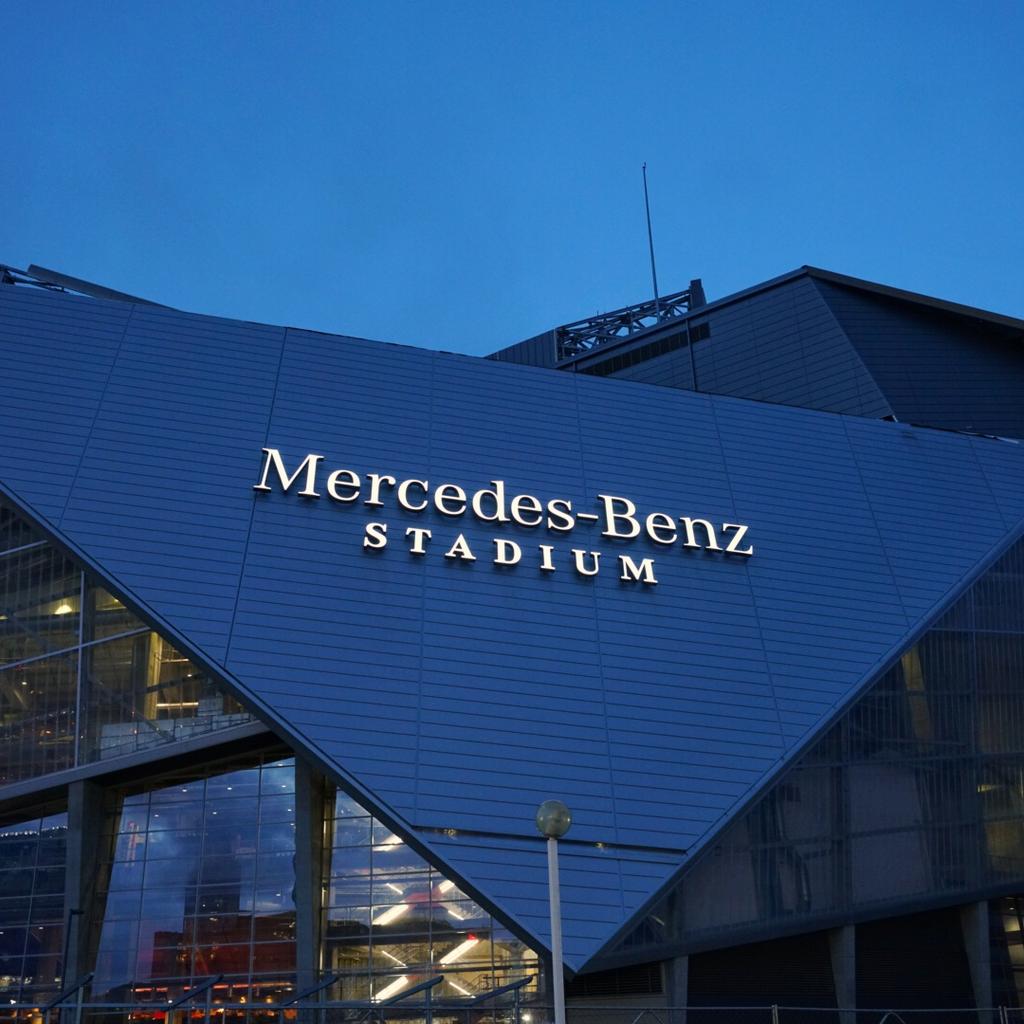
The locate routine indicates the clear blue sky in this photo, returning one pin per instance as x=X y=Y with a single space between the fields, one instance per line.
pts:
x=464 y=175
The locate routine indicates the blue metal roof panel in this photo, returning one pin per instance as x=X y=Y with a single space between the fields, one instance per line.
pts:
x=460 y=695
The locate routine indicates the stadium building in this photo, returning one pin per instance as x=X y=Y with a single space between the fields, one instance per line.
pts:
x=297 y=631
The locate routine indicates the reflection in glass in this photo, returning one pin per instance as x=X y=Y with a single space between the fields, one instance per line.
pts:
x=211 y=894
x=32 y=857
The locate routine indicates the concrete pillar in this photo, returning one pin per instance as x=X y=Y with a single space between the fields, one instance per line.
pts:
x=86 y=850
x=677 y=983
x=309 y=872
x=975 y=925
x=842 y=948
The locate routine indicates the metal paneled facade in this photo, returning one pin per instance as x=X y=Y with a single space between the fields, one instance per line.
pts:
x=450 y=693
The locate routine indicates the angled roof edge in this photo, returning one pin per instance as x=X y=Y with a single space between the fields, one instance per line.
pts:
x=297 y=742
x=911 y=637
x=955 y=308
x=943 y=305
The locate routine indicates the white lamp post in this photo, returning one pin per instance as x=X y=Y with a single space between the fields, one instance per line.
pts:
x=553 y=821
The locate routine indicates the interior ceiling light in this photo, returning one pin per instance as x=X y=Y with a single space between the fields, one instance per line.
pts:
x=389 y=990
x=392 y=913
x=460 y=950
x=64 y=609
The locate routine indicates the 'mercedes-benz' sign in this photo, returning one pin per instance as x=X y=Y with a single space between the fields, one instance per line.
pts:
x=617 y=516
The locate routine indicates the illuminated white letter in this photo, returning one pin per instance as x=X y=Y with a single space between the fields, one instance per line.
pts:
x=579 y=554
x=631 y=571
x=545 y=558
x=509 y=552
x=527 y=510
x=611 y=516
x=560 y=515
x=343 y=478
x=741 y=532
x=376 y=535
x=309 y=464
x=691 y=541
x=417 y=534
x=375 y=483
x=403 y=495
x=657 y=523
x=449 y=492
x=461 y=549
x=498 y=494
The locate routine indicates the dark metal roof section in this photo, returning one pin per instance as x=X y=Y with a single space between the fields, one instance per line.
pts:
x=55 y=281
x=585 y=336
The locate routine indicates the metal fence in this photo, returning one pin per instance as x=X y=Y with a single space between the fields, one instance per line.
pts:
x=198 y=1007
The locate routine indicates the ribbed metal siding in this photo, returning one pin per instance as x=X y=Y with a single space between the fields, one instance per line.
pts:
x=463 y=695
x=935 y=369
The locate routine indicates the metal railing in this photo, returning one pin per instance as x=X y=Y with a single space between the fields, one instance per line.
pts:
x=505 y=1005
x=584 y=336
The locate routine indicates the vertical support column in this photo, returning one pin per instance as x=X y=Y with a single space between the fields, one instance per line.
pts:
x=842 y=948
x=676 y=973
x=309 y=865
x=975 y=925
x=86 y=835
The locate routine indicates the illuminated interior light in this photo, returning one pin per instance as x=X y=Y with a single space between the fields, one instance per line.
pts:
x=392 y=913
x=394 y=888
x=460 y=950
x=454 y=913
x=178 y=704
x=393 y=989
x=391 y=956
x=64 y=609
x=459 y=988
x=390 y=843
x=446 y=886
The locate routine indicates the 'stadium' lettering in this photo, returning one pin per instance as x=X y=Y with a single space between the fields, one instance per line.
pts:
x=631 y=572
x=375 y=536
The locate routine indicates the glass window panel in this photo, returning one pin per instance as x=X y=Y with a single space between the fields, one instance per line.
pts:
x=278 y=808
x=37 y=718
x=200 y=910
x=277 y=837
x=40 y=597
x=352 y=831
x=15 y=532
x=106 y=616
x=277 y=779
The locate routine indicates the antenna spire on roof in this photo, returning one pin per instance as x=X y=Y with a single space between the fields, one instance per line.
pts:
x=650 y=244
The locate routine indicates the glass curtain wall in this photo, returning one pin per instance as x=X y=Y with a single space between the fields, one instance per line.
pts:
x=199 y=880
x=81 y=678
x=32 y=857
x=391 y=920
x=915 y=795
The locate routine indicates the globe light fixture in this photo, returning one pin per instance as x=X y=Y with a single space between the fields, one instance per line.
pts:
x=553 y=819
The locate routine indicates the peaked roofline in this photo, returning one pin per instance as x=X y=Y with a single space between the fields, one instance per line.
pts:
x=943 y=305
